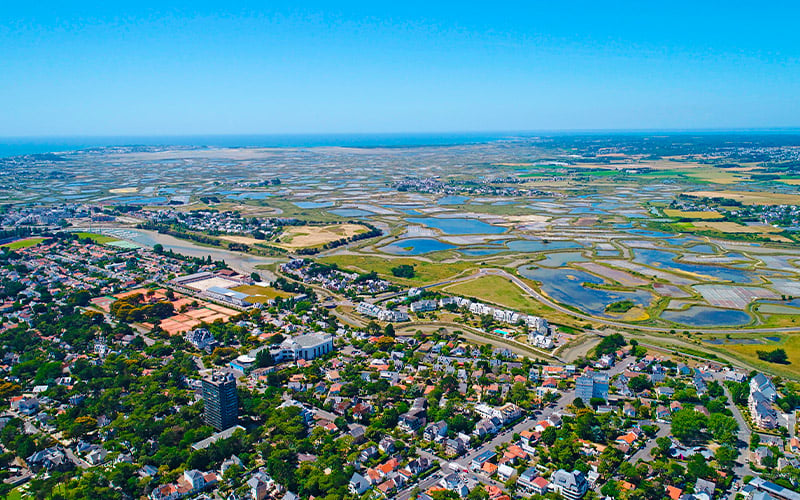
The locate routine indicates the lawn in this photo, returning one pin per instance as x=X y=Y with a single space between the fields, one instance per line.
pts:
x=27 y=242
x=97 y=238
x=495 y=289
x=789 y=343
x=424 y=272
x=499 y=290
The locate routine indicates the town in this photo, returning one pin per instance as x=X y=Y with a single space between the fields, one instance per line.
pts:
x=140 y=372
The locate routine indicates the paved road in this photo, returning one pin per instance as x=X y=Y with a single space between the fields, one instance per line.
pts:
x=645 y=453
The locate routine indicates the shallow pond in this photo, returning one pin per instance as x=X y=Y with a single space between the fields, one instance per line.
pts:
x=350 y=212
x=558 y=259
x=540 y=245
x=416 y=246
x=707 y=316
x=312 y=204
x=475 y=252
x=458 y=225
x=256 y=195
x=663 y=259
x=452 y=200
x=566 y=286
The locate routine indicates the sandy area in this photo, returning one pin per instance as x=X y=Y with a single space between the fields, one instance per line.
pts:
x=311 y=236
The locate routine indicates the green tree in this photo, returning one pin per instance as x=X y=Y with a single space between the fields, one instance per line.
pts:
x=687 y=426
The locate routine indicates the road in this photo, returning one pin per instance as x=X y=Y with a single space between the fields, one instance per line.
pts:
x=742 y=467
x=645 y=453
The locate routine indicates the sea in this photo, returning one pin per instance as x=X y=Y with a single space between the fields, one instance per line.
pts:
x=17 y=146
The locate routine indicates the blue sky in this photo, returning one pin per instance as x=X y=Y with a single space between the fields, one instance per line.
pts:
x=108 y=68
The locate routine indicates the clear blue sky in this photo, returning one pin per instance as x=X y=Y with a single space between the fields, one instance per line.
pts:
x=108 y=68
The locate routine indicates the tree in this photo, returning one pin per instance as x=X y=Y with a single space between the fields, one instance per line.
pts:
x=549 y=436
x=478 y=493
x=776 y=356
x=264 y=359
x=663 y=445
x=724 y=429
x=726 y=456
x=403 y=271
x=609 y=344
x=389 y=330
x=640 y=383
x=255 y=276
x=755 y=441
x=158 y=248
x=445 y=495
x=687 y=425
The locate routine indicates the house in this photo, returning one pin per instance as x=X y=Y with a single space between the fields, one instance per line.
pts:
x=570 y=485
x=665 y=391
x=760 y=454
x=760 y=383
x=762 y=411
x=504 y=472
x=386 y=445
x=485 y=427
x=703 y=486
x=454 y=447
x=259 y=485
x=453 y=482
x=481 y=459
x=628 y=410
x=435 y=431
x=358 y=484
x=368 y=453
x=531 y=482
x=49 y=459
x=674 y=493
x=411 y=420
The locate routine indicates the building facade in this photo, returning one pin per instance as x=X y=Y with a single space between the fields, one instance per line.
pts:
x=221 y=402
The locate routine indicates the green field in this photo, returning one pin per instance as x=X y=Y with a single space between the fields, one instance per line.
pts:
x=424 y=272
x=502 y=292
x=789 y=343
x=27 y=242
x=97 y=238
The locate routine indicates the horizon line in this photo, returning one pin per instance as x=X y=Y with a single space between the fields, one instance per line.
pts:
x=576 y=131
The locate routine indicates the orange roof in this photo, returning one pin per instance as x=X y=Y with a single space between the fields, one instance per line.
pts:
x=493 y=490
x=517 y=451
x=674 y=493
x=625 y=485
x=489 y=468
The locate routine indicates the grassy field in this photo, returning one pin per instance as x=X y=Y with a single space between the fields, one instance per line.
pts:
x=27 y=242
x=260 y=294
x=97 y=238
x=691 y=214
x=500 y=291
x=790 y=343
x=424 y=272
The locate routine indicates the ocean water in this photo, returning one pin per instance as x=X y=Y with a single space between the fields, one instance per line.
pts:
x=15 y=146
